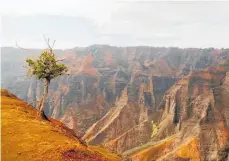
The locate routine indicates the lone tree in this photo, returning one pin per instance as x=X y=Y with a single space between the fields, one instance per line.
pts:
x=45 y=68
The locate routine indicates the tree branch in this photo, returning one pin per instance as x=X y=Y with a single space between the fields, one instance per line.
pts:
x=60 y=60
x=53 y=43
x=20 y=47
x=47 y=40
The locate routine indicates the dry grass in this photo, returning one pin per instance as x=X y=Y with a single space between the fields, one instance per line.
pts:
x=190 y=150
x=155 y=151
x=26 y=137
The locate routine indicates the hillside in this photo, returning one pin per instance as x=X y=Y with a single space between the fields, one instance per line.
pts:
x=26 y=137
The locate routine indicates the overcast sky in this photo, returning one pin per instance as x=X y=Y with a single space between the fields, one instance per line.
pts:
x=121 y=23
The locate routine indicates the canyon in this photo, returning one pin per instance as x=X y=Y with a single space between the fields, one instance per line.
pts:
x=144 y=103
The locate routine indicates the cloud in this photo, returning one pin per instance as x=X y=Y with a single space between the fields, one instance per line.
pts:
x=65 y=29
x=121 y=23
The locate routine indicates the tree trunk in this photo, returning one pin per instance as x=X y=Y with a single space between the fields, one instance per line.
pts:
x=44 y=98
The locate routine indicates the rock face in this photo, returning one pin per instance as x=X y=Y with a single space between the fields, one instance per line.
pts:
x=193 y=124
x=144 y=102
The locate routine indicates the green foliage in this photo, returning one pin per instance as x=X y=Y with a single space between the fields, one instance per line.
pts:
x=46 y=66
x=148 y=83
x=154 y=129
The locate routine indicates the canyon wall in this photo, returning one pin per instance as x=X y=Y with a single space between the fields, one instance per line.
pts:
x=131 y=99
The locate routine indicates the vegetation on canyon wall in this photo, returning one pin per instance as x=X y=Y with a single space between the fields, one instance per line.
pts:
x=154 y=129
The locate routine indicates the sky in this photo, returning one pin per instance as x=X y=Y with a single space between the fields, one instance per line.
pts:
x=114 y=22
